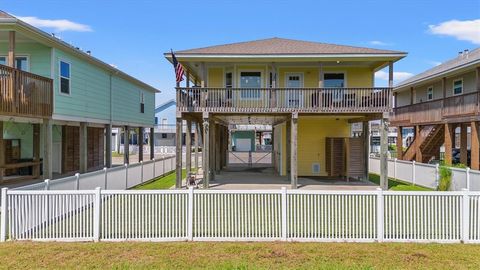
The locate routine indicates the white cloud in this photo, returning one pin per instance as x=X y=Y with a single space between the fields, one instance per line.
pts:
x=57 y=25
x=463 y=30
x=378 y=43
x=397 y=75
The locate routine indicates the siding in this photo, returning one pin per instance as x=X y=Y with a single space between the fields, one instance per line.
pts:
x=312 y=133
x=126 y=103
x=89 y=93
x=39 y=56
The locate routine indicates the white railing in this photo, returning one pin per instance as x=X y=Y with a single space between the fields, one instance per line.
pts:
x=234 y=215
x=427 y=175
x=117 y=178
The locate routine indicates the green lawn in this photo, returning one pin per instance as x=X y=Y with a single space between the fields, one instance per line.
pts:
x=396 y=184
x=162 y=182
x=215 y=255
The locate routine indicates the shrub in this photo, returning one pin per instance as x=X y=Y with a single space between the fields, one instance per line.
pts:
x=445 y=178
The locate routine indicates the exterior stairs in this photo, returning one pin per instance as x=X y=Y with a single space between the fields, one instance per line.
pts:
x=431 y=139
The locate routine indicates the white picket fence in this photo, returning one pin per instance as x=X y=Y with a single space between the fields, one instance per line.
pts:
x=234 y=215
x=117 y=178
x=427 y=175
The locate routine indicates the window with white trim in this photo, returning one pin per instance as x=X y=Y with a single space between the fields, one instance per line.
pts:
x=458 y=87
x=430 y=93
x=65 y=78
x=21 y=62
x=250 y=79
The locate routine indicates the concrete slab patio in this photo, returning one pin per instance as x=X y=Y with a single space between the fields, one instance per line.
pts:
x=258 y=177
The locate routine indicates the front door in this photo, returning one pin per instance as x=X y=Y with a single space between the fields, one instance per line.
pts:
x=294 y=97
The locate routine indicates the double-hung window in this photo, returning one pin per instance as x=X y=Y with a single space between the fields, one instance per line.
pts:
x=430 y=93
x=253 y=80
x=65 y=74
x=458 y=87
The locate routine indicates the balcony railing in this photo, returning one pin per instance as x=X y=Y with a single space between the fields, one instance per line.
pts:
x=260 y=100
x=25 y=94
x=436 y=111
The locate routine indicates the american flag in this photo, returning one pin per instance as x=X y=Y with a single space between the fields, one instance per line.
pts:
x=179 y=71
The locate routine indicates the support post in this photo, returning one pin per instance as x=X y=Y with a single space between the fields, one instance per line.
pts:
x=47 y=149
x=205 y=151
x=108 y=145
x=475 y=146
x=83 y=134
x=390 y=74
x=218 y=147
x=418 y=151
x=366 y=148
x=140 y=139
x=188 y=147
x=36 y=149
x=400 y=143
x=211 y=151
x=178 y=153
x=152 y=143
x=293 y=150
x=11 y=49
x=288 y=147
x=384 y=153
x=449 y=135
x=197 y=138
x=463 y=144
x=126 y=145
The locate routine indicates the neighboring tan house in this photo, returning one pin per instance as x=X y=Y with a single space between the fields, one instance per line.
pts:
x=436 y=103
x=309 y=92
x=58 y=104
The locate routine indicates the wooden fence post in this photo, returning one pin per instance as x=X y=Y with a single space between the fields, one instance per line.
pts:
x=284 y=213
x=3 y=215
x=380 y=214
x=467 y=172
x=96 y=214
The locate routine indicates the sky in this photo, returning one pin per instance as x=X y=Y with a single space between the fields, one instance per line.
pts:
x=133 y=35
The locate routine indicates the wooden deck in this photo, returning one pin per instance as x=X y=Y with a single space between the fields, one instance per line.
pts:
x=284 y=100
x=25 y=94
x=451 y=109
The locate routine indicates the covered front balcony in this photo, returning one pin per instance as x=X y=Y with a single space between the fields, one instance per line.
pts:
x=267 y=100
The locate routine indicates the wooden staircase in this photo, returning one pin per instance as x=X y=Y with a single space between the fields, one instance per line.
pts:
x=431 y=139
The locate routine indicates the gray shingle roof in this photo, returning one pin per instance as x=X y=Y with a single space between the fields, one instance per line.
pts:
x=459 y=61
x=282 y=46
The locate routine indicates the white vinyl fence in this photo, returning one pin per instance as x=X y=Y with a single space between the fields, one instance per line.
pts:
x=427 y=175
x=233 y=215
x=116 y=178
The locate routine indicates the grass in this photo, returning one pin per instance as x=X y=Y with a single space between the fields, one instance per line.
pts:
x=162 y=182
x=396 y=184
x=215 y=255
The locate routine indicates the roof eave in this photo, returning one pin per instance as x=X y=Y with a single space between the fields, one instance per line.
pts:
x=323 y=55
x=424 y=79
x=54 y=42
